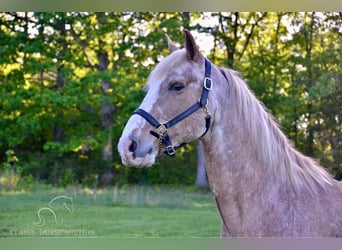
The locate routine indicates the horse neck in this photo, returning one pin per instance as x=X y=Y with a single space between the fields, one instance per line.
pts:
x=245 y=148
x=227 y=146
x=231 y=161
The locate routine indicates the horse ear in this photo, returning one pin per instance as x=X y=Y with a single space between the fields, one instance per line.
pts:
x=172 y=46
x=192 y=50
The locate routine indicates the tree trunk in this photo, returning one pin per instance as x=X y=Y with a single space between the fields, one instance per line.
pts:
x=201 y=177
x=308 y=40
x=186 y=19
x=60 y=81
x=106 y=111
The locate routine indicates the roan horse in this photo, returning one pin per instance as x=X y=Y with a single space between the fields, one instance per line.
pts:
x=262 y=185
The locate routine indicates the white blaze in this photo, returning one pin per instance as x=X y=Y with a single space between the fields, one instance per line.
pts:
x=136 y=122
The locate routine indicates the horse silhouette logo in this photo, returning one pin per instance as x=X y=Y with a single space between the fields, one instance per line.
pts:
x=54 y=209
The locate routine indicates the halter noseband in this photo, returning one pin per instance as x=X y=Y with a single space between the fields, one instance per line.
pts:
x=165 y=144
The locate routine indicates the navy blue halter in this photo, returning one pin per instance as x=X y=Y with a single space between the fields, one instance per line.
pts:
x=165 y=144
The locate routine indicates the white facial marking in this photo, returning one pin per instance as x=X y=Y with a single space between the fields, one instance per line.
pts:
x=134 y=126
x=151 y=96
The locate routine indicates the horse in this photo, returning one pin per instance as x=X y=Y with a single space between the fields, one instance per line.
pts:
x=262 y=185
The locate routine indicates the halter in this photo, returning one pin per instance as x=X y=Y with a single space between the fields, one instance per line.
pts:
x=165 y=144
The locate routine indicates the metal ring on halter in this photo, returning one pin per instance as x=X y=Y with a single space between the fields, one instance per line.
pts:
x=161 y=129
x=206 y=85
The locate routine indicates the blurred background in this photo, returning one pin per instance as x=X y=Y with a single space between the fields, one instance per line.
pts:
x=69 y=82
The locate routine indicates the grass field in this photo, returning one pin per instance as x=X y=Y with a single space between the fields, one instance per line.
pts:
x=128 y=211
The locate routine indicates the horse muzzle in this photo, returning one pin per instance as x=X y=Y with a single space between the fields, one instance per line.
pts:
x=136 y=152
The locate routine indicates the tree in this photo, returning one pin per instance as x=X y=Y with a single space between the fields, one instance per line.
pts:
x=69 y=81
x=201 y=173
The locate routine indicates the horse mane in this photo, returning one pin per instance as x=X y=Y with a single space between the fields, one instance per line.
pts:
x=272 y=146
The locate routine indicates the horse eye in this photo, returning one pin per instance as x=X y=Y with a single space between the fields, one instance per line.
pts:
x=176 y=86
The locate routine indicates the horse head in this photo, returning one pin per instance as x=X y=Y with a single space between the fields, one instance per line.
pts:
x=174 y=110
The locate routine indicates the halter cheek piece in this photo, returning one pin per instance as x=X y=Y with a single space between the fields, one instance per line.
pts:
x=165 y=144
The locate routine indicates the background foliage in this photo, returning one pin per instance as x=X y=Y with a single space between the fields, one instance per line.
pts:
x=69 y=82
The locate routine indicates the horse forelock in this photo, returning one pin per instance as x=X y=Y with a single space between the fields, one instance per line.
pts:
x=270 y=143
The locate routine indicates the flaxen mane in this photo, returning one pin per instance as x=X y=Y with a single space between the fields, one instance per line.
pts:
x=271 y=144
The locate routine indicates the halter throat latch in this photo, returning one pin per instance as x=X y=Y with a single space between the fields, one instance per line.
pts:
x=165 y=144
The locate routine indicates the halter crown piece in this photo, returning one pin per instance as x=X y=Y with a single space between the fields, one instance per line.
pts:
x=165 y=144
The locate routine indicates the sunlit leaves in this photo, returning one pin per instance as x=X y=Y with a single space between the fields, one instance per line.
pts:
x=51 y=74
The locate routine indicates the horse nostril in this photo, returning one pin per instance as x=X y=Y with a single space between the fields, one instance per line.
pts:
x=137 y=149
x=133 y=147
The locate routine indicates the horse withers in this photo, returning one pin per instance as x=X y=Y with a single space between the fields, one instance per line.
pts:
x=262 y=185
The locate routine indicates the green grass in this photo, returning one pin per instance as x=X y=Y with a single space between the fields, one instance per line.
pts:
x=129 y=211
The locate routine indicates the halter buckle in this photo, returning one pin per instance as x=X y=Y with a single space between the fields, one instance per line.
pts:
x=170 y=150
x=208 y=83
